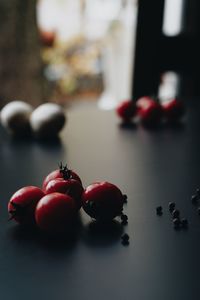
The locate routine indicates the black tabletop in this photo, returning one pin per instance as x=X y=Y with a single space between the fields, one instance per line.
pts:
x=153 y=167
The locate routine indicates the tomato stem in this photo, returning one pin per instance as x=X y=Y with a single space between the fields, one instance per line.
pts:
x=66 y=173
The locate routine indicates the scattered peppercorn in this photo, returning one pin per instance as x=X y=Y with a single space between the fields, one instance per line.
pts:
x=198 y=192
x=125 y=199
x=171 y=206
x=124 y=219
x=198 y=210
x=194 y=199
x=125 y=236
x=176 y=223
x=175 y=213
x=125 y=239
x=159 y=210
x=184 y=223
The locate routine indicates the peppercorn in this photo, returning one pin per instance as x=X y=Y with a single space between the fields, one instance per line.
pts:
x=198 y=192
x=175 y=213
x=125 y=199
x=198 y=210
x=194 y=199
x=125 y=239
x=159 y=210
x=184 y=223
x=176 y=223
x=171 y=206
x=124 y=219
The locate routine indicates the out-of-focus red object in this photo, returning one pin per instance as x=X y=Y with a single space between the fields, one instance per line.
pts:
x=126 y=110
x=173 y=110
x=149 y=110
x=47 y=38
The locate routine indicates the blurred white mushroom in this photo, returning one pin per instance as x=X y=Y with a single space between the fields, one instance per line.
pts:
x=15 y=115
x=47 y=120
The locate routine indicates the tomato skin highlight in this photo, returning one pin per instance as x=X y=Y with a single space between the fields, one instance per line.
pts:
x=58 y=174
x=55 y=212
x=126 y=110
x=149 y=111
x=173 y=110
x=103 y=201
x=21 y=206
x=71 y=187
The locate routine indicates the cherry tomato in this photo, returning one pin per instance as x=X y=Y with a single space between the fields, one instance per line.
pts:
x=63 y=172
x=173 y=110
x=71 y=187
x=47 y=38
x=55 y=212
x=22 y=204
x=126 y=110
x=150 y=111
x=103 y=201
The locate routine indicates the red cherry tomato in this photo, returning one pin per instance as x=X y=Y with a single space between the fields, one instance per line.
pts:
x=126 y=110
x=63 y=172
x=103 y=201
x=47 y=38
x=71 y=187
x=150 y=111
x=55 y=212
x=173 y=110
x=22 y=204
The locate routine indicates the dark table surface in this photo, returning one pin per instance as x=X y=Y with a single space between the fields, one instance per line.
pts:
x=153 y=167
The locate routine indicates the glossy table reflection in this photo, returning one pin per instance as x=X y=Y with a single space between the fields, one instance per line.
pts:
x=153 y=167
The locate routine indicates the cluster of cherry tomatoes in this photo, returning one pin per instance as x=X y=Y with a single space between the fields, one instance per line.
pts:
x=54 y=207
x=151 y=112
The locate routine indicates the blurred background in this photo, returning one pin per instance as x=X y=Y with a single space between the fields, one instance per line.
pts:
x=75 y=51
